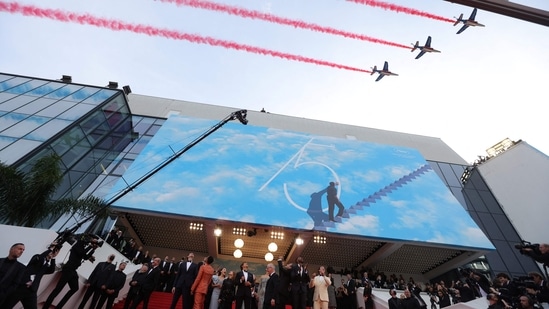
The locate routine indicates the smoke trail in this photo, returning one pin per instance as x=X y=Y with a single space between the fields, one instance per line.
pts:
x=242 y=12
x=116 y=25
x=401 y=9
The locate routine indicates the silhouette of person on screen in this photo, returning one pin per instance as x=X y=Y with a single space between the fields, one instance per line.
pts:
x=315 y=208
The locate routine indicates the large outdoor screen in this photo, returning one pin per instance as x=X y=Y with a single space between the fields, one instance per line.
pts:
x=275 y=177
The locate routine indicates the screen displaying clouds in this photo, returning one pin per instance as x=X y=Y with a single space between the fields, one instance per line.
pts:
x=280 y=178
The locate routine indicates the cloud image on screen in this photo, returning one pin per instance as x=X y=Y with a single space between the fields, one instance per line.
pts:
x=276 y=177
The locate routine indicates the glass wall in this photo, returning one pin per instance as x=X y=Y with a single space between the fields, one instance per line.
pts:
x=478 y=200
x=86 y=126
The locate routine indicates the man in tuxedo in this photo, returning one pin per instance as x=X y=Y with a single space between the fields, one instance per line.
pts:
x=135 y=285
x=299 y=278
x=284 y=295
x=150 y=282
x=245 y=282
x=271 y=299
x=183 y=281
x=350 y=285
x=98 y=277
x=164 y=274
x=110 y=290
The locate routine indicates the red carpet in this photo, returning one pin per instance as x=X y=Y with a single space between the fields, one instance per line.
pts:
x=158 y=300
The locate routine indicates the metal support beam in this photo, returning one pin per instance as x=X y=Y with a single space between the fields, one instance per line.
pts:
x=504 y=7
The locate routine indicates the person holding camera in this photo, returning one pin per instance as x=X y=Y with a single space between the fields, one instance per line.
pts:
x=38 y=266
x=82 y=250
x=320 y=284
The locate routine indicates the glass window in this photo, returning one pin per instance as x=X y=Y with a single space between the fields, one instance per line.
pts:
x=16 y=103
x=75 y=153
x=100 y=96
x=26 y=87
x=48 y=130
x=449 y=174
x=45 y=89
x=507 y=228
x=76 y=111
x=4 y=77
x=490 y=202
x=4 y=96
x=459 y=196
x=22 y=128
x=55 y=109
x=63 y=92
x=490 y=226
x=475 y=201
x=82 y=94
x=34 y=106
x=65 y=142
x=153 y=130
x=477 y=181
x=4 y=142
x=10 y=119
x=16 y=150
x=12 y=82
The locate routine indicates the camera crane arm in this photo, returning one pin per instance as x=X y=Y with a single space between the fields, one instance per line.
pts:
x=239 y=115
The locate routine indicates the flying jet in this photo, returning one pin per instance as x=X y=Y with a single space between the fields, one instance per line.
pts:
x=424 y=49
x=383 y=72
x=467 y=22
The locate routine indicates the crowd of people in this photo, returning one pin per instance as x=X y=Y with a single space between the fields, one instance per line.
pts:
x=199 y=286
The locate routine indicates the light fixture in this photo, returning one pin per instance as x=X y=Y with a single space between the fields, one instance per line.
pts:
x=239 y=243
x=196 y=226
x=237 y=253
x=252 y=232
x=66 y=79
x=277 y=235
x=269 y=256
x=319 y=239
x=272 y=247
x=113 y=85
x=239 y=231
x=127 y=89
x=299 y=241
x=217 y=232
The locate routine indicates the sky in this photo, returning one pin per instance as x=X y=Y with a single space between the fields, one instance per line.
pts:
x=487 y=84
x=280 y=178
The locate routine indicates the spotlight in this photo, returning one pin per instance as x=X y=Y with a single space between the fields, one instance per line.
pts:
x=196 y=226
x=113 y=85
x=237 y=253
x=217 y=231
x=299 y=241
x=66 y=79
x=127 y=89
x=252 y=233
x=239 y=243
x=269 y=256
x=272 y=247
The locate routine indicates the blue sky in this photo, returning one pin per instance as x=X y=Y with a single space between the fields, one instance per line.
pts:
x=487 y=84
x=274 y=177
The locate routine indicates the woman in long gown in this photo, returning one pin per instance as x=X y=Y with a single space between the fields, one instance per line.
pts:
x=261 y=290
x=217 y=282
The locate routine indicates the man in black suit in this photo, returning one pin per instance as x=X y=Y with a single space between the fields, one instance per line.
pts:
x=135 y=285
x=183 y=281
x=82 y=250
x=38 y=266
x=110 y=290
x=350 y=285
x=245 y=282
x=299 y=278
x=165 y=266
x=11 y=273
x=97 y=278
x=284 y=295
x=271 y=299
x=150 y=282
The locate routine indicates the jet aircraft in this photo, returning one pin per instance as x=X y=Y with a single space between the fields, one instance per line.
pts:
x=467 y=22
x=424 y=49
x=383 y=72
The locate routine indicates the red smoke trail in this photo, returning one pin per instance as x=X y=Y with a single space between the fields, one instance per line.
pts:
x=401 y=9
x=233 y=10
x=28 y=10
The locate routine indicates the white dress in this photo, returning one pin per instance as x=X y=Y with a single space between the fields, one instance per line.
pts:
x=216 y=291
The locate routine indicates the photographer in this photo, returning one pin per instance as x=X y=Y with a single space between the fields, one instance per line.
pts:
x=81 y=251
x=540 y=288
x=539 y=252
x=507 y=290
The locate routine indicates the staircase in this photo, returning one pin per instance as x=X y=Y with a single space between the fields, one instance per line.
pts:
x=158 y=300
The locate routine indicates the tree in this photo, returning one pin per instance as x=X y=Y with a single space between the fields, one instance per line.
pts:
x=26 y=199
